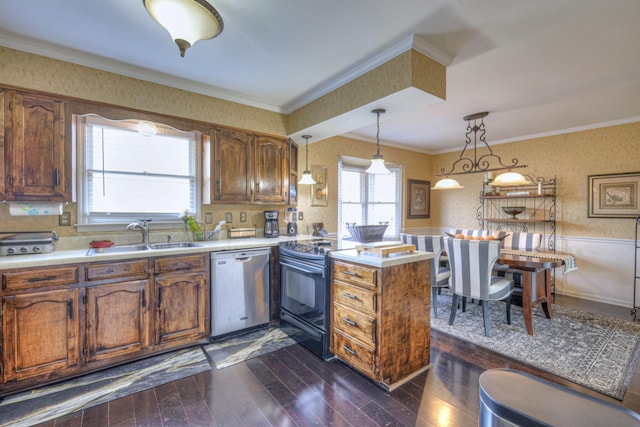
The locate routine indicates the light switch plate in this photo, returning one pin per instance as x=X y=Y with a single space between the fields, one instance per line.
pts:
x=243 y=217
x=300 y=216
x=228 y=217
x=208 y=218
x=64 y=219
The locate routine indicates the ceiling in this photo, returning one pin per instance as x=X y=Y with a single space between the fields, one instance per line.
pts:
x=539 y=67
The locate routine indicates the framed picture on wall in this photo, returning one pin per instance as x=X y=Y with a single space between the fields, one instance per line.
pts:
x=319 y=189
x=418 y=194
x=614 y=195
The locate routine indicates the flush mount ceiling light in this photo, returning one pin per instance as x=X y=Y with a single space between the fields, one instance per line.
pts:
x=479 y=163
x=306 y=175
x=187 y=21
x=377 y=161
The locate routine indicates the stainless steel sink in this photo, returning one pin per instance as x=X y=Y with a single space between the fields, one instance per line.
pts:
x=118 y=249
x=173 y=245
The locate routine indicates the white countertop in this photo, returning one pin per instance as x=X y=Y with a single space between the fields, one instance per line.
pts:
x=375 y=260
x=59 y=257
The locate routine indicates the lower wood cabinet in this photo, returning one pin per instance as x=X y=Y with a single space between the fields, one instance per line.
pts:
x=41 y=333
x=380 y=319
x=66 y=320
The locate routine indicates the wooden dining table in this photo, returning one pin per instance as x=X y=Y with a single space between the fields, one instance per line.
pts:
x=536 y=283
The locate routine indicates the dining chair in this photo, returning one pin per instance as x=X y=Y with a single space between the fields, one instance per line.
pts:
x=471 y=263
x=439 y=270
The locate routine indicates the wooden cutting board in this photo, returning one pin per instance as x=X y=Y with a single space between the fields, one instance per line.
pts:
x=387 y=250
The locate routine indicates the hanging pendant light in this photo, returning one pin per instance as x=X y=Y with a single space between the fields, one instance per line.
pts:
x=377 y=161
x=307 y=178
x=187 y=21
x=479 y=163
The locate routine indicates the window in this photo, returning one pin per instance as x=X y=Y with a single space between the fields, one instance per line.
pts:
x=129 y=169
x=368 y=199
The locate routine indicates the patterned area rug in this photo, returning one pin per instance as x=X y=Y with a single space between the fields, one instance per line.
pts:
x=46 y=403
x=595 y=351
x=239 y=348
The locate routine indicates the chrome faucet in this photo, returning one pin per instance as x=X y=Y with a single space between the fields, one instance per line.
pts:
x=143 y=226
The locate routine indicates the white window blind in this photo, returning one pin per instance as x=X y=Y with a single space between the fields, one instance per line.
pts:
x=128 y=174
x=368 y=199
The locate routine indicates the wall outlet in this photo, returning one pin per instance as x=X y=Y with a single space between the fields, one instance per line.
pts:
x=228 y=217
x=243 y=217
x=64 y=219
x=300 y=216
x=208 y=218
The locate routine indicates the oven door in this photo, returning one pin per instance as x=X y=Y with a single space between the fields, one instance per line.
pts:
x=304 y=289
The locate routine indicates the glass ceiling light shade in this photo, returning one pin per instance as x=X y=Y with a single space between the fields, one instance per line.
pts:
x=307 y=178
x=377 y=161
x=510 y=179
x=447 y=184
x=187 y=21
x=477 y=162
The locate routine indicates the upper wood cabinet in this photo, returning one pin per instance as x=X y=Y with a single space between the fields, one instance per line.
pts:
x=36 y=166
x=272 y=170
x=249 y=168
x=232 y=172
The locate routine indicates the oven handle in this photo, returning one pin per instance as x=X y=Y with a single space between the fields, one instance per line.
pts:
x=305 y=268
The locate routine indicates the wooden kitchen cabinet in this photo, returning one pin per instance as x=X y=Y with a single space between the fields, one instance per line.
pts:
x=40 y=333
x=293 y=173
x=380 y=319
x=232 y=170
x=181 y=299
x=36 y=158
x=117 y=314
x=271 y=170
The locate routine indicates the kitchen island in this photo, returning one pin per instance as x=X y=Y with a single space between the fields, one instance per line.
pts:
x=380 y=321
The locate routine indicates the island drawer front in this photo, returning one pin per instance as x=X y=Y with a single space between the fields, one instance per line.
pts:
x=117 y=269
x=24 y=279
x=354 y=353
x=189 y=262
x=354 y=323
x=356 y=274
x=353 y=296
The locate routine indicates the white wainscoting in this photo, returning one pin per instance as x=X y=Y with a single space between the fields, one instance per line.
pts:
x=605 y=268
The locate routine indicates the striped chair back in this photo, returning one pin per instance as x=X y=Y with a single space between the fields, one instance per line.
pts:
x=471 y=262
x=425 y=243
x=522 y=241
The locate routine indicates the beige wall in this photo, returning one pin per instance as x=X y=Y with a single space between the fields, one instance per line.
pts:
x=326 y=153
x=571 y=158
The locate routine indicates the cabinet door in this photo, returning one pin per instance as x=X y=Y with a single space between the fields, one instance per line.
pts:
x=272 y=170
x=232 y=166
x=3 y=174
x=41 y=333
x=293 y=173
x=181 y=300
x=35 y=140
x=117 y=319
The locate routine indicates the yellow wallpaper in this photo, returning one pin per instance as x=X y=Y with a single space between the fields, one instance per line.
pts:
x=326 y=153
x=35 y=72
x=571 y=157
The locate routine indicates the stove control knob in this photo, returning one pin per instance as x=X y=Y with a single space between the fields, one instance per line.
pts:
x=36 y=249
x=24 y=249
x=11 y=250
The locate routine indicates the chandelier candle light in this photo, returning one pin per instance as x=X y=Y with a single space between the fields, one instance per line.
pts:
x=480 y=163
x=377 y=161
x=307 y=178
x=187 y=21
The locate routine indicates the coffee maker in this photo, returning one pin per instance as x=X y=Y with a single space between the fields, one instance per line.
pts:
x=291 y=218
x=271 y=226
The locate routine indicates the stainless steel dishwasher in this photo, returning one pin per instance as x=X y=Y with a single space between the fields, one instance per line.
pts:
x=239 y=290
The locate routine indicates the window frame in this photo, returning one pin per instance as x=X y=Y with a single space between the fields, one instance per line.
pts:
x=360 y=165
x=117 y=222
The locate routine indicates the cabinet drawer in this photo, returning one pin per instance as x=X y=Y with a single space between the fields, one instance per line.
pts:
x=356 y=274
x=354 y=323
x=119 y=269
x=189 y=262
x=353 y=352
x=353 y=296
x=39 y=277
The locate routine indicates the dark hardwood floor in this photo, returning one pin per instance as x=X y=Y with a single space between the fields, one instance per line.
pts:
x=292 y=387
